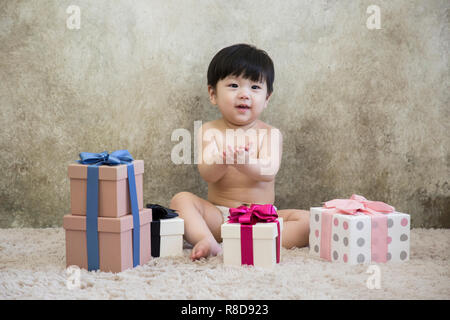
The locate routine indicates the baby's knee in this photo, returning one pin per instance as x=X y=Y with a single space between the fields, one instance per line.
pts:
x=180 y=197
x=304 y=214
x=299 y=215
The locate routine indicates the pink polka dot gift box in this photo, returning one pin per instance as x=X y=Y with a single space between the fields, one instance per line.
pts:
x=357 y=230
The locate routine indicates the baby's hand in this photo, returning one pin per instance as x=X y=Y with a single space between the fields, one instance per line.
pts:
x=228 y=155
x=211 y=153
x=239 y=155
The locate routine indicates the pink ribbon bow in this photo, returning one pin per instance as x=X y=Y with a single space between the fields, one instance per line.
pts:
x=247 y=217
x=357 y=205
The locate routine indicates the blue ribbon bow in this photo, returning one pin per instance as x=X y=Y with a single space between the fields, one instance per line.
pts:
x=115 y=158
x=94 y=160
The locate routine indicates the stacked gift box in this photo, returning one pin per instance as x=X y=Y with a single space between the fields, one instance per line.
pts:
x=106 y=192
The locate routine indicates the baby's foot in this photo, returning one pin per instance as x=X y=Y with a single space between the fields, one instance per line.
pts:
x=205 y=248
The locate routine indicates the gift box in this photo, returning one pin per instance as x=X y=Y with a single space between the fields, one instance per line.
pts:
x=115 y=243
x=97 y=238
x=167 y=237
x=167 y=231
x=113 y=189
x=252 y=236
x=356 y=230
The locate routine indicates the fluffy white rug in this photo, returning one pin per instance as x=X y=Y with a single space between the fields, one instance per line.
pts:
x=32 y=266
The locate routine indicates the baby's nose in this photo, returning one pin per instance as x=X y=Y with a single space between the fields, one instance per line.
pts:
x=244 y=94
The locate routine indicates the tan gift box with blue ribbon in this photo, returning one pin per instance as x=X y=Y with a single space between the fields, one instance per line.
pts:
x=113 y=190
x=100 y=234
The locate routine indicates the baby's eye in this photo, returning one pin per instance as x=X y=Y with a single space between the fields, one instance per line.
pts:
x=233 y=85
x=256 y=87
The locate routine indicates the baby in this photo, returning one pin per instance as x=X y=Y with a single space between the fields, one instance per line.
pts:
x=240 y=155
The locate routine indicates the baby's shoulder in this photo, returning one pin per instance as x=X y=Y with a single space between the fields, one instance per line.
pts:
x=271 y=133
x=214 y=124
x=268 y=127
x=210 y=128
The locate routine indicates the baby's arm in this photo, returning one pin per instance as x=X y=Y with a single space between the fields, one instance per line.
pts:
x=212 y=167
x=268 y=158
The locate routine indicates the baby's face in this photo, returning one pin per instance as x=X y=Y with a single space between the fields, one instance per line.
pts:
x=240 y=100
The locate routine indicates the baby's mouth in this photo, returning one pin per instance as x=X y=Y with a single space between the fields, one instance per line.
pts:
x=243 y=107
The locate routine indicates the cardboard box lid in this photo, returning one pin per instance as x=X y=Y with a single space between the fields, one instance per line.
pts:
x=260 y=230
x=319 y=210
x=171 y=226
x=116 y=225
x=79 y=171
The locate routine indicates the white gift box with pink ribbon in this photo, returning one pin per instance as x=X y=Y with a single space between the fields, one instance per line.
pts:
x=357 y=230
x=252 y=236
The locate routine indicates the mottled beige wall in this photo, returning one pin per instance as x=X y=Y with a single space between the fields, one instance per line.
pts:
x=362 y=111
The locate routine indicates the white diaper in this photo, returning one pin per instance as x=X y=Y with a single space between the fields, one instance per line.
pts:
x=226 y=212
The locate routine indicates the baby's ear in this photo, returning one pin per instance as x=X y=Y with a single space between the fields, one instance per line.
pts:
x=267 y=100
x=212 y=94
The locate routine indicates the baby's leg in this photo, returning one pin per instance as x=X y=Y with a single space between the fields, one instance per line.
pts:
x=202 y=221
x=295 y=228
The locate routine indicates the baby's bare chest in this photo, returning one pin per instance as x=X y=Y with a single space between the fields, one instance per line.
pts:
x=238 y=137
x=234 y=179
x=235 y=188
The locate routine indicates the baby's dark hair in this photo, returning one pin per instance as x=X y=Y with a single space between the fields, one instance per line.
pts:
x=242 y=59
